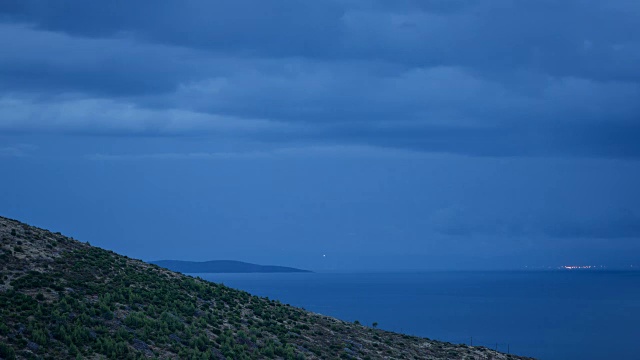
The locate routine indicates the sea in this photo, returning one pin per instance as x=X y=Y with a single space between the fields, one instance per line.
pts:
x=549 y=315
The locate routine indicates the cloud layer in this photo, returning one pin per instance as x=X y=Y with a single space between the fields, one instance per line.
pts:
x=498 y=78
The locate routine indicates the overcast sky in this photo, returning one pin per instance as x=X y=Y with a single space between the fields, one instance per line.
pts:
x=331 y=135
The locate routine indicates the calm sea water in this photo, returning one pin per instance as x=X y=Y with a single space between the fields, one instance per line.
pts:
x=547 y=315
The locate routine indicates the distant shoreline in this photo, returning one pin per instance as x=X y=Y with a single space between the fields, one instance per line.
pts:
x=223 y=266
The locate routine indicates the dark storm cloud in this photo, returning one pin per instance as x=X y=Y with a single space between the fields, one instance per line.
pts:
x=548 y=35
x=246 y=26
x=45 y=61
x=607 y=223
x=488 y=78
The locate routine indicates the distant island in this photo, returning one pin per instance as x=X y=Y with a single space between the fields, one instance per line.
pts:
x=223 y=266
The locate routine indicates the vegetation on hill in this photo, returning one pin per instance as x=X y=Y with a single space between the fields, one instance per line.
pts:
x=222 y=266
x=63 y=299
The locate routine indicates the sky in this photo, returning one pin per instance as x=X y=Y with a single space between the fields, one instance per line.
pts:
x=330 y=135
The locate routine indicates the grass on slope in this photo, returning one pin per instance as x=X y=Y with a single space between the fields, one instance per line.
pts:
x=60 y=298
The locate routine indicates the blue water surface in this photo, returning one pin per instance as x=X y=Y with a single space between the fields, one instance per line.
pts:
x=548 y=315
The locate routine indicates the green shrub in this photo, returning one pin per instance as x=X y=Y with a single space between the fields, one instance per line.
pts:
x=4 y=329
x=7 y=352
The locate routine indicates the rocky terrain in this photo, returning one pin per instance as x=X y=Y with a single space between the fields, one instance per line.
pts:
x=64 y=299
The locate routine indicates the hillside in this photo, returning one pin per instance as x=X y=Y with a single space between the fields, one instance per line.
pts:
x=63 y=299
x=222 y=266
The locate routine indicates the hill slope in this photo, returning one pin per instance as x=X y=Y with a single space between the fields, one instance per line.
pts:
x=222 y=266
x=60 y=299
